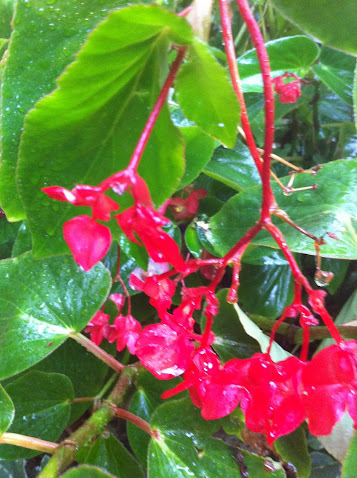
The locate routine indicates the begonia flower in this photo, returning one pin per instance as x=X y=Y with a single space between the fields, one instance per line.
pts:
x=146 y=223
x=163 y=351
x=186 y=208
x=330 y=387
x=83 y=195
x=87 y=240
x=288 y=92
x=125 y=332
x=98 y=327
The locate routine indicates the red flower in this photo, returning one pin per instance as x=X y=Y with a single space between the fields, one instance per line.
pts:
x=330 y=387
x=163 y=351
x=147 y=223
x=83 y=195
x=288 y=92
x=88 y=240
x=98 y=327
x=125 y=332
x=186 y=208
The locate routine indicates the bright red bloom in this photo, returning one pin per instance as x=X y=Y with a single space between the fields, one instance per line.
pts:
x=288 y=92
x=98 y=327
x=163 y=351
x=147 y=223
x=125 y=332
x=83 y=195
x=273 y=405
x=330 y=387
x=186 y=208
x=88 y=240
x=119 y=300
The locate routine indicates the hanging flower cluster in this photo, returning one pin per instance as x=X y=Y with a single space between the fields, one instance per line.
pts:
x=289 y=91
x=275 y=397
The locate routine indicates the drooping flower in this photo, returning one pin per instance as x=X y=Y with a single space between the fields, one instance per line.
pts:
x=330 y=387
x=288 y=92
x=125 y=332
x=163 y=351
x=147 y=224
x=98 y=327
x=88 y=240
x=83 y=195
x=186 y=208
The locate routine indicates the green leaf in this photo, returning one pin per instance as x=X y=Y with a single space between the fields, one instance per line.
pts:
x=86 y=471
x=233 y=167
x=8 y=233
x=331 y=22
x=336 y=70
x=13 y=469
x=324 y=466
x=231 y=340
x=291 y=54
x=338 y=442
x=7 y=411
x=23 y=241
x=185 y=447
x=6 y=13
x=256 y=467
x=277 y=353
x=293 y=449
x=270 y=281
x=42 y=302
x=355 y=96
x=350 y=464
x=192 y=242
x=199 y=149
x=112 y=457
x=42 y=408
x=45 y=40
x=330 y=208
x=206 y=96
x=143 y=403
x=88 y=127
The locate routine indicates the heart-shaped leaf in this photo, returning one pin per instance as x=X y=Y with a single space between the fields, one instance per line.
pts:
x=42 y=302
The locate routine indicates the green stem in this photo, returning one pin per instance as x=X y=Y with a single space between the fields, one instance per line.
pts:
x=28 y=442
x=98 y=352
x=66 y=452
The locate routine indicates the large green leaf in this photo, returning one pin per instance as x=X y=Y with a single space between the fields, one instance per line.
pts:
x=13 y=469
x=109 y=454
x=143 y=403
x=350 y=464
x=206 y=95
x=233 y=167
x=355 y=96
x=88 y=127
x=330 y=208
x=331 y=22
x=256 y=467
x=336 y=70
x=42 y=408
x=42 y=302
x=46 y=37
x=86 y=471
x=293 y=449
x=6 y=12
x=185 y=448
x=7 y=411
x=291 y=54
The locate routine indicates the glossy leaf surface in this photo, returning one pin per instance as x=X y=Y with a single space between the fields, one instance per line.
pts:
x=42 y=408
x=350 y=464
x=88 y=127
x=6 y=410
x=46 y=37
x=293 y=449
x=256 y=466
x=86 y=471
x=111 y=456
x=206 y=96
x=291 y=54
x=185 y=447
x=330 y=208
x=331 y=22
x=42 y=302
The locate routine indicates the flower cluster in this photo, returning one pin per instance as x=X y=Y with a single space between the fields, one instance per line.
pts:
x=289 y=91
x=275 y=397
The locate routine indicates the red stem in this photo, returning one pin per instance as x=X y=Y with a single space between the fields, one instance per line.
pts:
x=263 y=58
x=149 y=126
x=139 y=422
x=233 y=68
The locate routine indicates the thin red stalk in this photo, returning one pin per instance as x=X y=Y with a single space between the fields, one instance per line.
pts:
x=263 y=58
x=335 y=334
x=119 y=278
x=234 y=73
x=139 y=422
x=236 y=252
x=145 y=135
x=274 y=330
x=305 y=342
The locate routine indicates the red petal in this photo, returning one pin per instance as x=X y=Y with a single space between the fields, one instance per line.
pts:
x=88 y=240
x=60 y=194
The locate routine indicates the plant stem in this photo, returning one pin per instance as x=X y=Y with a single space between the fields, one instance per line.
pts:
x=135 y=420
x=233 y=68
x=66 y=452
x=97 y=351
x=263 y=58
x=28 y=442
x=149 y=126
